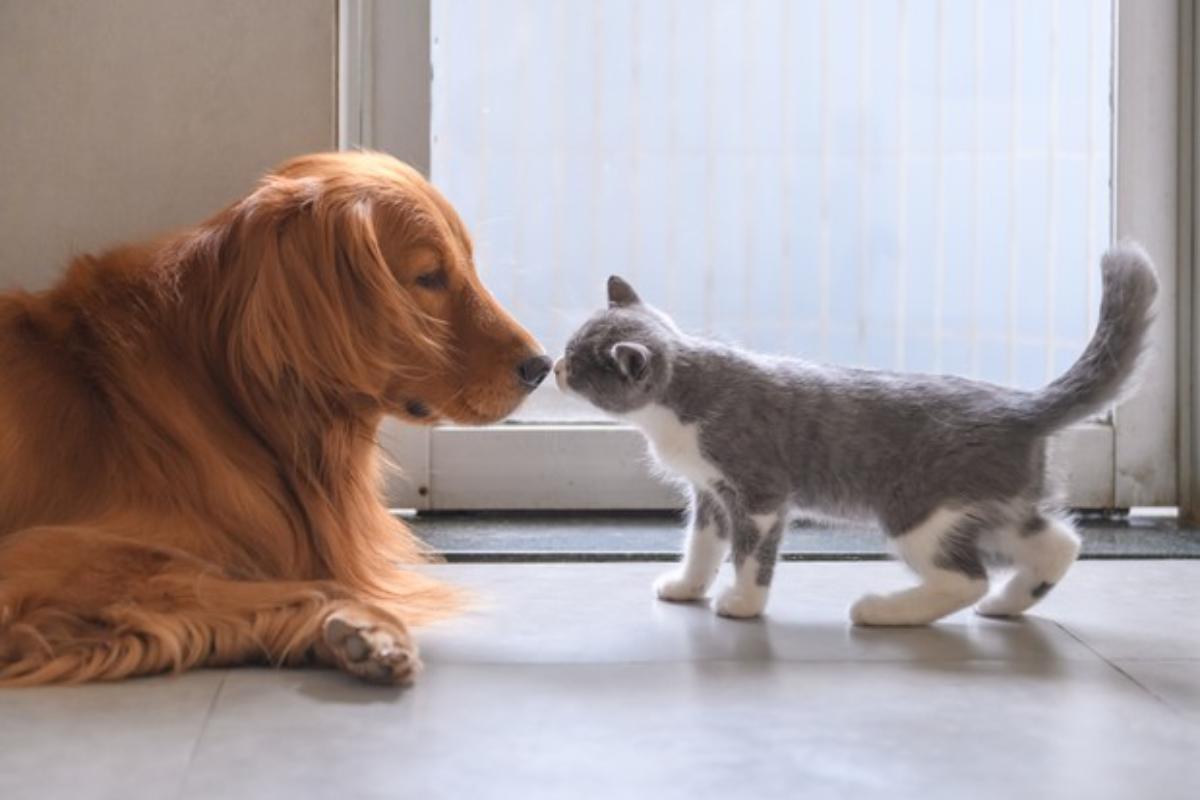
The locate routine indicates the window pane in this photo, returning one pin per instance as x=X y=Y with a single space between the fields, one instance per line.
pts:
x=914 y=185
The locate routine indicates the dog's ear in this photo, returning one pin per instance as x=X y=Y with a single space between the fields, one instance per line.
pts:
x=309 y=295
x=632 y=359
x=620 y=293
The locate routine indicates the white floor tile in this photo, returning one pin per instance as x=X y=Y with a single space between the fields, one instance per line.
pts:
x=121 y=740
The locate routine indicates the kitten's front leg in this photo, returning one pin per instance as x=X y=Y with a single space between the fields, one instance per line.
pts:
x=756 y=540
x=707 y=543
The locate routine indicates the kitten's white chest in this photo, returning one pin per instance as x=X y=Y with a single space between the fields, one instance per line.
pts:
x=674 y=445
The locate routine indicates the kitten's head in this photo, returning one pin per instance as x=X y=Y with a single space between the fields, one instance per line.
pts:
x=620 y=359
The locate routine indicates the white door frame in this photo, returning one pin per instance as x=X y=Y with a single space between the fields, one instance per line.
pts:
x=1188 y=293
x=1146 y=169
x=1130 y=460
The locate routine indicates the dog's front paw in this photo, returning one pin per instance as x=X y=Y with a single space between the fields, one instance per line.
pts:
x=741 y=604
x=675 y=587
x=374 y=651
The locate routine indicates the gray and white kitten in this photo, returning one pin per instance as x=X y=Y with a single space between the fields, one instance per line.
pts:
x=954 y=470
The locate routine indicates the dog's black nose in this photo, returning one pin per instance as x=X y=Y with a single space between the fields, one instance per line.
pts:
x=533 y=371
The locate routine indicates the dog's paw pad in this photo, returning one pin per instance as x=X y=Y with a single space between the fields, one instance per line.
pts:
x=375 y=652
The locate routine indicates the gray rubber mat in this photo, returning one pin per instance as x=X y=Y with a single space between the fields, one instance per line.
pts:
x=658 y=537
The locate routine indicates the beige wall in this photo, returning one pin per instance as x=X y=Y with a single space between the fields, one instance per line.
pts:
x=120 y=118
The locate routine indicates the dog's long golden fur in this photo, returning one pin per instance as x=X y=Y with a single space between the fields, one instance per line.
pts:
x=187 y=463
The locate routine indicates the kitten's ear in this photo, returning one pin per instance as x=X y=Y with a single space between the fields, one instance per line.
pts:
x=632 y=359
x=621 y=293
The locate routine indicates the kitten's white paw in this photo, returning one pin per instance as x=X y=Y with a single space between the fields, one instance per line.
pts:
x=739 y=604
x=675 y=587
x=871 y=609
x=1001 y=605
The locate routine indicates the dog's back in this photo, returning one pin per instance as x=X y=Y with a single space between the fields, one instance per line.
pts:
x=52 y=420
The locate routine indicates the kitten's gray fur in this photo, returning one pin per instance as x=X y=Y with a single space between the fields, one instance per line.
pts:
x=786 y=433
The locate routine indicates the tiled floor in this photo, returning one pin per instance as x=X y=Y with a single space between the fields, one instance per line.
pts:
x=570 y=681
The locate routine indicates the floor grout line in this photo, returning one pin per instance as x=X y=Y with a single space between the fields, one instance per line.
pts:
x=452 y=556
x=1155 y=659
x=208 y=713
x=1117 y=668
x=430 y=663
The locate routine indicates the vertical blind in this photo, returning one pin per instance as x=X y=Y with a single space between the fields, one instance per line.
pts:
x=907 y=184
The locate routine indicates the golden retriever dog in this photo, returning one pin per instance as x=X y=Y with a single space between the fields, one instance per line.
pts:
x=188 y=468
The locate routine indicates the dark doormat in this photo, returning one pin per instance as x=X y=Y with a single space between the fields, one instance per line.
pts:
x=464 y=537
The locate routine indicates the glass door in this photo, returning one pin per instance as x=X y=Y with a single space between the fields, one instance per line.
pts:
x=923 y=186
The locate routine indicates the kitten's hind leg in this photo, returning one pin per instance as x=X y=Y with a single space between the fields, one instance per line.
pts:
x=707 y=544
x=1042 y=550
x=756 y=539
x=943 y=552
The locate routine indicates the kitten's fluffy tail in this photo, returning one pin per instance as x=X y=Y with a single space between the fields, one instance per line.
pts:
x=1097 y=379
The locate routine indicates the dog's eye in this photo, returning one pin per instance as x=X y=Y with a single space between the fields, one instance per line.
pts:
x=434 y=279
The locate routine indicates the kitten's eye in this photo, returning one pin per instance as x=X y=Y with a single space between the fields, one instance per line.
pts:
x=433 y=280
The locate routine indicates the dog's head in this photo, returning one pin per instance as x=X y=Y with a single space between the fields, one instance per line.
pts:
x=349 y=275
